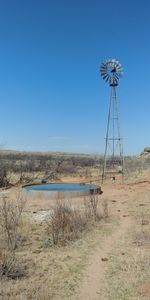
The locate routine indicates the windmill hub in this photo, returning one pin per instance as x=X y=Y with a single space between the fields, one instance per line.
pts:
x=114 y=70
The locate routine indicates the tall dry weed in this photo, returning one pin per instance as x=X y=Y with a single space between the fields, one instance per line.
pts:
x=66 y=223
x=10 y=220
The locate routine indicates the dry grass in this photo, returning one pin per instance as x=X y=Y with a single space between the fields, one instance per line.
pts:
x=55 y=272
x=66 y=223
x=10 y=267
x=10 y=220
x=10 y=237
x=128 y=275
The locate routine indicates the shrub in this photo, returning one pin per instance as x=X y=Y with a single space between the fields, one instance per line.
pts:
x=66 y=223
x=10 y=219
x=9 y=266
x=4 y=181
x=93 y=202
x=92 y=209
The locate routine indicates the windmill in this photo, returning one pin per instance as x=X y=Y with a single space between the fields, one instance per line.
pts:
x=111 y=71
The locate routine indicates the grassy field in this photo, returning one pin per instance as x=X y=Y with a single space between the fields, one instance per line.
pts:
x=103 y=256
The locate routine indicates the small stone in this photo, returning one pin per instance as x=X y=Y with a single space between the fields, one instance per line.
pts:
x=145 y=222
x=104 y=259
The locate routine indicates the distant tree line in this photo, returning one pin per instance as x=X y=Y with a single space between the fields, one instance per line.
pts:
x=50 y=164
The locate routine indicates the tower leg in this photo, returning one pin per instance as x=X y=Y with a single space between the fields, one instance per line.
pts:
x=106 y=139
x=119 y=138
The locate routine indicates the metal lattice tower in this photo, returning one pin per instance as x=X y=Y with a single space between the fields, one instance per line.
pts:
x=111 y=71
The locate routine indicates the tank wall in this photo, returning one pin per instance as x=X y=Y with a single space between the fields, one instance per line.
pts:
x=55 y=195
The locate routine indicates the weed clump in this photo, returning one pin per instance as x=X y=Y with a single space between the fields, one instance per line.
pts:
x=10 y=237
x=10 y=220
x=67 y=223
x=10 y=268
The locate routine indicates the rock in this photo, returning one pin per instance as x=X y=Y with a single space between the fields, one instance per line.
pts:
x=43 y=181
x=104 y=259
x=147 y=149
x=145 y=222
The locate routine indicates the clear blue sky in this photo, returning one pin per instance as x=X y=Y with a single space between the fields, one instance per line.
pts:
x=52 y=96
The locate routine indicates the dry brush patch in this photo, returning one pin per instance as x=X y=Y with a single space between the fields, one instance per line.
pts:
x=55 y=272
x=67 y=222
x=10 y=236
x=51 y=272
x=10 y=266
x=10 y=220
